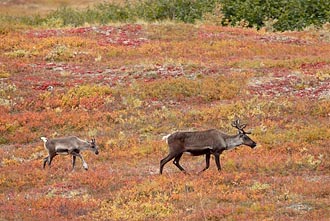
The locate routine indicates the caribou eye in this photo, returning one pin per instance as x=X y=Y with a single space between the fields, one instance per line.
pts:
x=246 y=137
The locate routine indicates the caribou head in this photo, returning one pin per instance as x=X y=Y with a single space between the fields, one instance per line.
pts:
x=246 y=140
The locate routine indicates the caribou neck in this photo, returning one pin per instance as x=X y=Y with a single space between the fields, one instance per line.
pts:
x=233 y=141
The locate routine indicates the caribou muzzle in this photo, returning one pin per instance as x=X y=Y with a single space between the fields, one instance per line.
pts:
x=250 y=143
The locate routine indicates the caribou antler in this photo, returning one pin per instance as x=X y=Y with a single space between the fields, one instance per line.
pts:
x=239 y=126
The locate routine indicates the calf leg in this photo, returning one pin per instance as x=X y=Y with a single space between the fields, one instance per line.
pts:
x=45 y=161
x=51 y=156
x=49 y=159
x=75 y=154
x=73 y=161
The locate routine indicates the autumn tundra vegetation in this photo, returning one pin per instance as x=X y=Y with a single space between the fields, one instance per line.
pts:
x=128 y=73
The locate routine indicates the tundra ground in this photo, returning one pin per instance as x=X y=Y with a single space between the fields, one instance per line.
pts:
x=128 y=85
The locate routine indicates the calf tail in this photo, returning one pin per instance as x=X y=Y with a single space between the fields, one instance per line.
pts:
x=44 y=139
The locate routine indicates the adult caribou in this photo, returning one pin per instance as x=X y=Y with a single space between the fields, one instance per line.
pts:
x=205 y=142
x=68 y=146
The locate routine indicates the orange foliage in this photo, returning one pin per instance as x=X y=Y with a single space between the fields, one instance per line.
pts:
x=129 y=85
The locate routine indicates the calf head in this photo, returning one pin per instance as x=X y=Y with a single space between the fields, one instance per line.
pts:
x=93 y=146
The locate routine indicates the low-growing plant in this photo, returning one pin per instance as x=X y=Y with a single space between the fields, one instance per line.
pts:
x=4 y=74
x=7 y=89
x=147 y=200
x=260 y=186
x=18 y=54
x=86 y=95
x=207 y=89
x=59 y=53
x=54 y=22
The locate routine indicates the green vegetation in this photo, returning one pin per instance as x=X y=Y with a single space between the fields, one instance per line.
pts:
x=286 y=15
x=280 y=15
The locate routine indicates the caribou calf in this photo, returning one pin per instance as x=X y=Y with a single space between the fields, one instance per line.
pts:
x=204 y=142
x=68 y=146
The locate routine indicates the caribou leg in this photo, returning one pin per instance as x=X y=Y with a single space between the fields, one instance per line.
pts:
x=207 y=160
x=176 y=162
x=217 y=160
x=169 y=157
